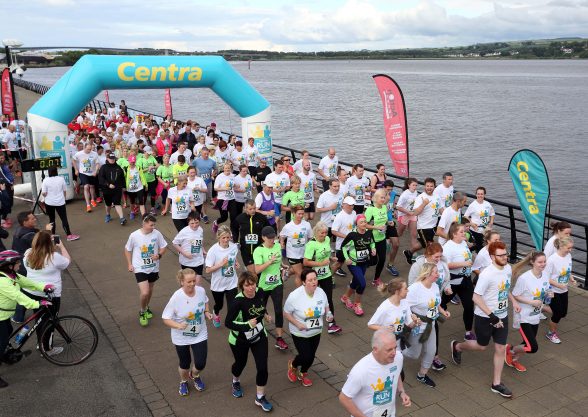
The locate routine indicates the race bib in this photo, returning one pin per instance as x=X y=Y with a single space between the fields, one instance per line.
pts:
x=433 y=313
x=253 y=334
x=359 y=196
x=363 y=255
x=272 y=279
x=195 y=246
x=314 y=323
x=192 y=330
x=148 y=262
x=502 y=307
x=251 y=239
x=205 y=176
x=230 y=194
x=308 y=196
x=181 y=207
x=228 y=271
x=196 y=195
x=297 y=243
x=321 y=271
x=382 y=401
x=397 y=328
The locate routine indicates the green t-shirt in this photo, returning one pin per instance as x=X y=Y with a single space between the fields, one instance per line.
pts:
x=149 y=167
x=165 y=173
x=377 y=217
x=178 y=170
x=319 y=251
x=122 y=162
x=293 y=199
x=270 y=277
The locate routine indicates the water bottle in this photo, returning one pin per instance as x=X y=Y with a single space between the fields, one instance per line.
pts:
x=21 y=335
x=329 y=317
x=547 y=299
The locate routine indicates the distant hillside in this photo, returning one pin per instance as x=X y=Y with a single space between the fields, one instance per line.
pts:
x=561 y=48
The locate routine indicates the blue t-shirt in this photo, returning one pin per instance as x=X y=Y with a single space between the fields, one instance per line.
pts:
x=204 y=168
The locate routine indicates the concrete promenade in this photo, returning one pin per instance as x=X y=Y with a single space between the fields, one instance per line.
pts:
x=142 y=363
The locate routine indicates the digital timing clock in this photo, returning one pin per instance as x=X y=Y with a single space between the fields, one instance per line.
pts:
x=41 y=164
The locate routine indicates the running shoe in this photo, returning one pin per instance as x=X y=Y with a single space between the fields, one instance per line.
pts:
x=5 y=224
x=426 y=380
x=88 y=209
x=470 y=336
x=357 y=309
x=99 y=200
x=281 y=344
x=519 y=367
x=8 y=222
x=408 y=255
x=123 y=221
x=214 y=227
x=143 y=321
x=455 y=300
x=183 y=390
x=198 y=383
x=508 y=355
x=237 y=391
x=502 y=390
x=455 y=355
x=438 y=365
x=153 y=212
x=291 y=372
x=304 y=379
x=55 y=351
x=205 y=219
x=263 y=403
x=148 y=313
x=216 y=320
x=392 y=269
x=107 y=218
x=132 y=215
x=340 y=273
x=157 y=206
x=553 y=337
x=333 y=328
x=93 y=203
x=348 y=303
x=376 y=282
x=72 y=237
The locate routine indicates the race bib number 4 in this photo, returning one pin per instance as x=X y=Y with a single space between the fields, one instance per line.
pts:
x=382 y=401
x=192 y=330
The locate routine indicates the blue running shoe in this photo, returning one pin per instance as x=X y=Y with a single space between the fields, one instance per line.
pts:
x=264 y=404
x=183 y=390
x=237 y=391
x=392 y=269
x=198 y=383
x=132 y=216
x=107 y=218
x=123 y=221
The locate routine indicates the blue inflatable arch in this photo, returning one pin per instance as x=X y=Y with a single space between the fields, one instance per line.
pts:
x=48 y=117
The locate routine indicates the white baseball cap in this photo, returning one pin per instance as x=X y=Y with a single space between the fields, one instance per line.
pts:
x=349 y=200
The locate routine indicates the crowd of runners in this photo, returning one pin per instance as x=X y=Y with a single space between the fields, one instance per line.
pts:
x=282 y=219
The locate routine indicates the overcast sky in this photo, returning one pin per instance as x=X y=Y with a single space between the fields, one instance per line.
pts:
x=301 y=25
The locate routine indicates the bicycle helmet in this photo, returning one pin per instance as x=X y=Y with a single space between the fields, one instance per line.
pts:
x=9 y=257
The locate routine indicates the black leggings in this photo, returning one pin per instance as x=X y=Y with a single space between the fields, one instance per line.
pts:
x=327 y=285
x=465 y=290
x=306 y=347
x=529 y=334
x=5 y=332
x=277 y=295
x=236 y=210
x=559 y=306
x=180 y=223
x=199 y=352
x=218 y=299
x=381 y=254
x=478 y=240
x=62 y=213
x=231 y=212
x=151 y=190
x=259 y=351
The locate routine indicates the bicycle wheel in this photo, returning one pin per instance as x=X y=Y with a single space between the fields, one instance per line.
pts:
x=69 y=341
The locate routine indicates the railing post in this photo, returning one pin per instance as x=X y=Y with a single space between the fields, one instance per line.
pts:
x=513 y=236
x=586 y=269
x=293 y=156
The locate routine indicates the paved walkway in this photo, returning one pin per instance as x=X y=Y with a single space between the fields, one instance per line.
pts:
x=556 y=382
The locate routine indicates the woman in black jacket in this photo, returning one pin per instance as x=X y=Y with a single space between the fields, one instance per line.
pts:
x=111 y=178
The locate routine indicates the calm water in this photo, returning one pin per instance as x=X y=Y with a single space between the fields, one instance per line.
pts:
x=468 y=117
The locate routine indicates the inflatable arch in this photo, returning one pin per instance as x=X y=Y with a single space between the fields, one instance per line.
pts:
x=48 y=117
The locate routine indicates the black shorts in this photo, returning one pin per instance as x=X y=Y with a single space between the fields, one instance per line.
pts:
x=151 y=277
x=247 y=254
x=559 y=306
x=391 y=232
x=19 y=155
x=310 y=208
x=484 y=330
x=136 y=196
x=198 y=269
x=292 y=261
x=340 y=257
x=358 y=209
x=112 y=196
x=425 y=236
x=87 y=179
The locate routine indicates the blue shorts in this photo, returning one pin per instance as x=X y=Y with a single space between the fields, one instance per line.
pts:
x=277 y=209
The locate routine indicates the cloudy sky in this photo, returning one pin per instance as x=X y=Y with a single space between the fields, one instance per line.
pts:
x=301 y=25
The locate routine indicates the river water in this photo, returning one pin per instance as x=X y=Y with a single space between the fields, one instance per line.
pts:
x=467 y=117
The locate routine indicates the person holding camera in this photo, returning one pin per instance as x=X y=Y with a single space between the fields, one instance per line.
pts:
x=54 y=189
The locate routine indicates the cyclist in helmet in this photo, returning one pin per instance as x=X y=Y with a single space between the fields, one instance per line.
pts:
x=10 y=284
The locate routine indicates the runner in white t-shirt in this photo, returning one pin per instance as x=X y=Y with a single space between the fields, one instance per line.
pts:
x=560 y=229
x=198 y=187
x=85 y=164
x=188 y=242
x=427 y=209
x=405 y=210
x=481 y=215
x=374 y=382
x=327 y=168
x=308 y=186
x=181 y=200
x=491 y=296
x=293 y=238
x=444 y=191
x=358 y=187
x=451 y=214
x=143 y=250
x=342 y=225
x=482 y=260
x=280 y=181
x=330 y=202
x=186 y=313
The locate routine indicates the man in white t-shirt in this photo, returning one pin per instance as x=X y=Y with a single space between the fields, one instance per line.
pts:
x=182 y=150
x=444 y=191
x=327 y=167
x=342 y=225
x=491 y=296
x=308 y=186
x=280 y=183
x=374 y=382
x=330 y=202
x=450 y=215
x=143 y=251
x=427 y=210
x=358 y=187
x=86 y=166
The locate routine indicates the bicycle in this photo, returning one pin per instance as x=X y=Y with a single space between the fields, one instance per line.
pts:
x=74 y=338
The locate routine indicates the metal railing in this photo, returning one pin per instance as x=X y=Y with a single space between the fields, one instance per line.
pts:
x=508 y=217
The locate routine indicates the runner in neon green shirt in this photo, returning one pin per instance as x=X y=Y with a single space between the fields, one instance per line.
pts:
x=377 y=218
x=293 y=198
